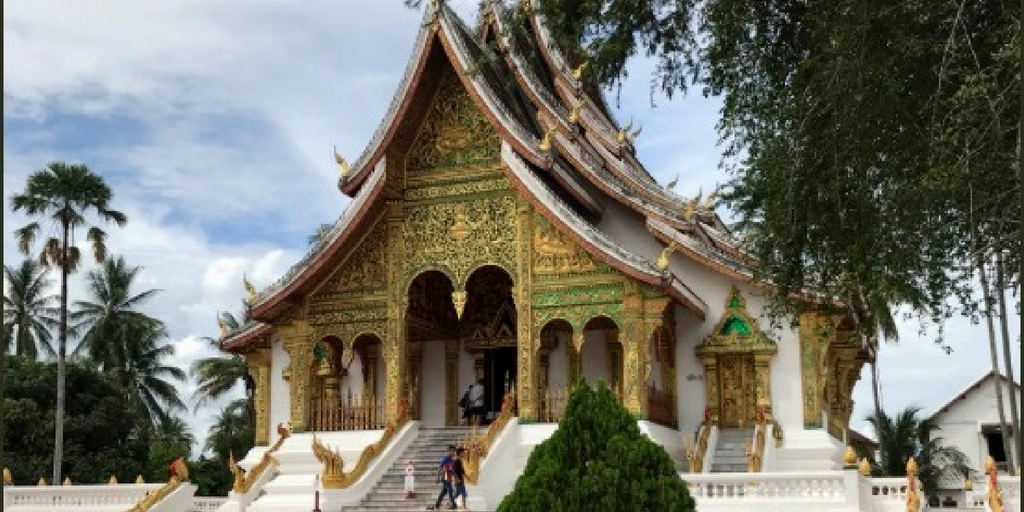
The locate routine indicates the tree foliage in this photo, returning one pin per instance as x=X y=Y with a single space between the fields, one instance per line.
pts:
x=856 y=131
x=104 y=433
x=906 y=435
x=598 y=460
x=110 y=312
x=30 y=310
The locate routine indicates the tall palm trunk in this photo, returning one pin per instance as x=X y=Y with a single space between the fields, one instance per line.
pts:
x=993 y=351
x=58 y=441
x=1007 y=359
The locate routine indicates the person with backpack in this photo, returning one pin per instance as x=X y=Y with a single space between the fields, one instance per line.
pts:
x=445 y=477
x=466 y=406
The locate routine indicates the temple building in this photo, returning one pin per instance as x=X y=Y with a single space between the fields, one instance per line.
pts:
x=503 y=230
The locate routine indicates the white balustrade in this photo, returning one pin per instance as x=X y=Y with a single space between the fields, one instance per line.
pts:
x=75 y=497
x=756 y=491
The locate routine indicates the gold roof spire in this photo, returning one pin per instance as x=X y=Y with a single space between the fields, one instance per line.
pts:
x=342 y=163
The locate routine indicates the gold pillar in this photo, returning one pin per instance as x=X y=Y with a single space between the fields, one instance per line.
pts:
x=451 y=377
x=763 y=383
x=258 y=364
x=525 y=331
x=711 y=386
x=634 y=347
x=810 y=353
x=667 y=347
x=395 y=342
x=297 y=344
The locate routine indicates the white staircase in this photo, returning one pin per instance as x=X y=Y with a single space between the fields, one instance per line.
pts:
x=731 y=450
x=425 y=452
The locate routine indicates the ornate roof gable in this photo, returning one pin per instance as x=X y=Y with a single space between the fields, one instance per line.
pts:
x=736 y=331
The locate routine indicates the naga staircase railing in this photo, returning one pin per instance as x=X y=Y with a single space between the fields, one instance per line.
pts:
x=334 y=475
x=477 y=447
x=244 y=480
x=179 y=474
x=755 y=455
x=695 y=455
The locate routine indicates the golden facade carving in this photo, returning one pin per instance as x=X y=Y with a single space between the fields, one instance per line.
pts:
x=258 y=364
x=295 y=338
x=395 y=343
x=526 y=333
x=556 y=254
x=459 y=237
x=454 y=134
x=363 y=271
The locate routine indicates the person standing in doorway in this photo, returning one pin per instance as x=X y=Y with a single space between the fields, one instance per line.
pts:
x=476 y=400
x=467 y=407
x=445 y=477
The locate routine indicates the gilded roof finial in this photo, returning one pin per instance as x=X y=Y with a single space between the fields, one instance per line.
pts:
x=249 y=288
x=665 y=253
x=545 y=143
x=623 y=134
x=671 y=186
x=577 y=73
x=342 y=163
x=574 y=114
x=8 y=478
x=865 y=467
x=113 y=480
x=711 y=201
x=139 y=479
x=631 y=137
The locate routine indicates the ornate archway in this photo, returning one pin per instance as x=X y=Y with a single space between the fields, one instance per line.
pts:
x=737 y=371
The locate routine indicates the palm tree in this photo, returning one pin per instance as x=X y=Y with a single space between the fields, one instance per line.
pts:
x=232 y=432
x=218 y=375
x=105 y=318
x=905 y=436
x=30 y=311
x=174 y=430
x=63 y=194
x=138 y=367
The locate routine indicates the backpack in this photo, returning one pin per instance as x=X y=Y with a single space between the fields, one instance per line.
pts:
x=464 y=401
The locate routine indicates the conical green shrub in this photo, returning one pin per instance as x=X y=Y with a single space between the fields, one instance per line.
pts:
x=598 y=461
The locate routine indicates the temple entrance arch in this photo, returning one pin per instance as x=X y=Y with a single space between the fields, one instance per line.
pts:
x=737 y=371
x=431 y=330
x=600 y=354
x=487 y=329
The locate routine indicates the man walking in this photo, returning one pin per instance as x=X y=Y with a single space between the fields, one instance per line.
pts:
x=445 y=477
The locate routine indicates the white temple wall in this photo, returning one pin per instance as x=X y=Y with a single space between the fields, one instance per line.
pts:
x=432 y=384
x=714 y=288
x=558 y=362
x=352 y=384
x=594 y=357
x=280 y=404
x=690 y=398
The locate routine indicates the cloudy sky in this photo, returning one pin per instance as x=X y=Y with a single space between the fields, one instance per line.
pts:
x=213 y=121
